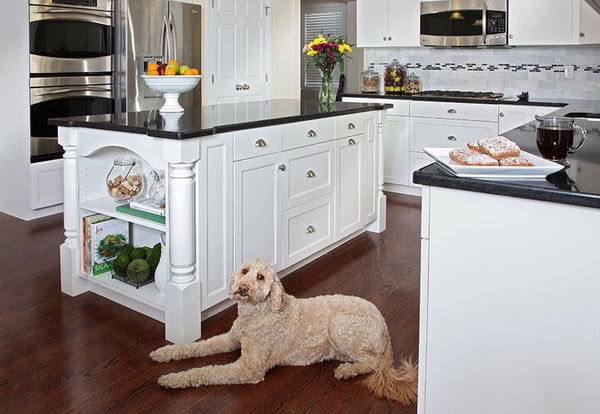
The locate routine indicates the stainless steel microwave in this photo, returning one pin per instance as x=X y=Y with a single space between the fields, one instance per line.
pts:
x=463 y=23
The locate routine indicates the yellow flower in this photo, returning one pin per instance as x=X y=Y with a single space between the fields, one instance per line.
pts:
x=319 y=40
x=311 y=52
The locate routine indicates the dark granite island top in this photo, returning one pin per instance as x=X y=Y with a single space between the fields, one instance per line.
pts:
x=214 y=119
x=577 y=185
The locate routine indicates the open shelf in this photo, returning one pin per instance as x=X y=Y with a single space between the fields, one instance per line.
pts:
x=106 y=205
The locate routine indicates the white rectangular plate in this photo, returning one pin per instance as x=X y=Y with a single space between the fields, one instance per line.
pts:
x=540 y=169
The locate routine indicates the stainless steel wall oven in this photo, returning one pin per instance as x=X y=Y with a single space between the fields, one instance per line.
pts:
x=71 y=58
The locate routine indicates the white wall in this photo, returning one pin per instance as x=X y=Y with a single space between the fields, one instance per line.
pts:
x=286 y=49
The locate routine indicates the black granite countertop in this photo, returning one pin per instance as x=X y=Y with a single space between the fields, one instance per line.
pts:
x=214 y=119
x=579 y=184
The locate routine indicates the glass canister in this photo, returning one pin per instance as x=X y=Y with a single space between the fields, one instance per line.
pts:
x=412 y=84
x=124 y=180
x=394 y=78
x=369 y=81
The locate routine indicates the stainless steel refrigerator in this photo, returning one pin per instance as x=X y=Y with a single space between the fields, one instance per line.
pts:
x=155 y=31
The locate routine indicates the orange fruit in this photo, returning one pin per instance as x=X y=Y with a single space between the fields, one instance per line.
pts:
x=172 y=62
x=152 y=73
x=170 y=72
x=188 y=72
x=194 y=71
x=152 y=66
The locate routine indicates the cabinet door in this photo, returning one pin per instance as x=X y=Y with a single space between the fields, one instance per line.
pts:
x=404 y=19
x=589 y=27
x=371 y=23
x=512 y=116
x=542 y=22
x=350 y=185
x=257 y=209
x=395 y=154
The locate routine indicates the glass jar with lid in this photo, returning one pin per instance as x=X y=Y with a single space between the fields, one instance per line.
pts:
x=124 y=180
x=369 y=81
x=412 y=84
x=393 y=79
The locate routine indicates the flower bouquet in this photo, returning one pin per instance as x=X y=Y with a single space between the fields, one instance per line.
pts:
x=326 y=52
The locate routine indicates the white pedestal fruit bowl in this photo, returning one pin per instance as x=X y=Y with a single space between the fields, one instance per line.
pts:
x=171 y=87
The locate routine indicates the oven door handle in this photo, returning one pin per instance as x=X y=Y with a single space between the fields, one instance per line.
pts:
x=71 y=90
x=59 y=12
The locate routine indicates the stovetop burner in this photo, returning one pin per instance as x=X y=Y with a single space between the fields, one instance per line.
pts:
x=463 y=94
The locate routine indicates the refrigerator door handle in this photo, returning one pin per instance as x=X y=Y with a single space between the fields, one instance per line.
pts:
x=173 y=37
x=164 y=39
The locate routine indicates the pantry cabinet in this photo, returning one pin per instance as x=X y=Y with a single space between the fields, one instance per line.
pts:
x=387 y=23
x=540 y=22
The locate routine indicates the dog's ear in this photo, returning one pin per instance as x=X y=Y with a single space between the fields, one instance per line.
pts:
x=278 y=299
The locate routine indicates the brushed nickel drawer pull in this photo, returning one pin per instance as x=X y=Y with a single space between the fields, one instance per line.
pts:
x=260 y=143
x=282 y=167
x=310 y=229
x=451 y=138
x=351 y=125
x=451 y=111
x=351 y=142
x=310 y=173
x=311 y=133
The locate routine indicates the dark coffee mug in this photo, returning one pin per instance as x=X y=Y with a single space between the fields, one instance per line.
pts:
x=554 y=137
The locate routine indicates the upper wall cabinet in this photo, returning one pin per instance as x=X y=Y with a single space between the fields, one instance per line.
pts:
x=543 y=22
x=387 y=23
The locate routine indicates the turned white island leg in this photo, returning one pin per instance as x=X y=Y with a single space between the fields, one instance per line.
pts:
x=182 y=292
x=379 y=224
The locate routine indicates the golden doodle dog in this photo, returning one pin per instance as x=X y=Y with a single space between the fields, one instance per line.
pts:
x=274 y=328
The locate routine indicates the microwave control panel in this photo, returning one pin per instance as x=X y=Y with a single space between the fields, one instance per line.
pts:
x=496 y=22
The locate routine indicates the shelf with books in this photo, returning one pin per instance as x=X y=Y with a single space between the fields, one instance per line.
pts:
x=105 y=205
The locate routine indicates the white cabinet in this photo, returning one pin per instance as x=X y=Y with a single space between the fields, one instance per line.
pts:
x=492 y=317
x=447 y=124
x=541 y=22
x=239 y=51
x=512 y=116
x=387 y=23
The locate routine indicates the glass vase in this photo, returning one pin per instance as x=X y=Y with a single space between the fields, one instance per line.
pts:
x=327 y=93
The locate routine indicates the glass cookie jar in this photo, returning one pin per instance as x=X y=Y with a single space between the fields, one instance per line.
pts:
x=124 y=180
x=412 y=84
x=369 y=81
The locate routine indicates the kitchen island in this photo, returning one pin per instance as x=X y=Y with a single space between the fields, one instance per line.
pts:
x=510 y=316
x=284 y=180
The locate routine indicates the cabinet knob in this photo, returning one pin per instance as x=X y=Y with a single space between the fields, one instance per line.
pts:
x=510 y=36
x=310 y=173
x=310 y=229
x=351 y=125
x=451 y=138
x=351 y=142
x=245 y=86
x=260 y=143
x=384 y=38
x=282 y=167
x=451 y=111
x=311 y=133
x=501 y=114
x=238 y=87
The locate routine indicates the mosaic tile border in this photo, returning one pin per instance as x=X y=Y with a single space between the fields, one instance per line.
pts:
x=505 y=67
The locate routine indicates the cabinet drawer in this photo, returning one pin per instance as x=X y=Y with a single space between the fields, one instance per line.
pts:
x=427 y=132
x=309 y=174
x=308 y=228
x=454 y=110
x=255 y=142
x=301 y=134
x=348 y=125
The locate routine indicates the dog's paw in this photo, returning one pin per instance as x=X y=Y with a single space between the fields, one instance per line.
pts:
x=344 y=371
x=161 y=354
x=171 y=381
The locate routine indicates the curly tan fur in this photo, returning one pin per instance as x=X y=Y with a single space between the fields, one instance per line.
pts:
x=274 y=328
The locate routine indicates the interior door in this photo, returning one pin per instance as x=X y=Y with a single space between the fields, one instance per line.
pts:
x=239 y=57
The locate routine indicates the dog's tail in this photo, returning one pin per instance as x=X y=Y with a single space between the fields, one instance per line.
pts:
x=398 y=384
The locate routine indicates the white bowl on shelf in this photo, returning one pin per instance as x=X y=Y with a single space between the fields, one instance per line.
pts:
x=171 y=87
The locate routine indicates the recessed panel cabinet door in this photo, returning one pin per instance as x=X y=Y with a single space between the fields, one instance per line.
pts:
x=257 y=210
x=238 y=51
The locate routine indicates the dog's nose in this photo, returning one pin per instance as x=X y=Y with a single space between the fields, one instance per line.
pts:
x=243 y=290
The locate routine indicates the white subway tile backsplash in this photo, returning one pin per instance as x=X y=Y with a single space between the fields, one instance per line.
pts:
x=538 y=70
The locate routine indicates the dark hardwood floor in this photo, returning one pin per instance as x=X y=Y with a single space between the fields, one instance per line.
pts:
x=86 y=354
